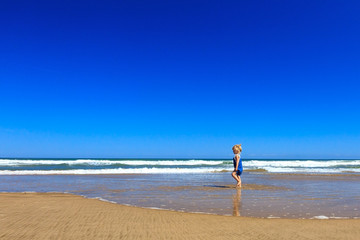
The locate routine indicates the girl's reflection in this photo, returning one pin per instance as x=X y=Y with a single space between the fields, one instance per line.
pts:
x=237 y=202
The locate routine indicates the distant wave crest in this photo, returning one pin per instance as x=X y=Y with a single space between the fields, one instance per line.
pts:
x=20 y=162
x=110 y=171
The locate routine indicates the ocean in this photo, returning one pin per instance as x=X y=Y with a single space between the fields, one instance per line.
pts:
x=272 y=188
x=32 y=166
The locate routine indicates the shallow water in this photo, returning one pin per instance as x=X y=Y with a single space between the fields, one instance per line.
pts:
x=262 y=195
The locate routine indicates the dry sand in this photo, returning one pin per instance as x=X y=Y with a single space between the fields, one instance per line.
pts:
x=66 y=216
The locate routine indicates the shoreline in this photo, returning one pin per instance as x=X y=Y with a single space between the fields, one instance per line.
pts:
x=70 y=216
x=170 y=210
x=262 y=195
x=251 y=171
x=321 y=217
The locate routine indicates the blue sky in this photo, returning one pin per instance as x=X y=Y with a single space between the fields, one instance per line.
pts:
x=180 y=79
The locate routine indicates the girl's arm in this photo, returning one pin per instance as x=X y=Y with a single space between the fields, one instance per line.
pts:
x=237 y=158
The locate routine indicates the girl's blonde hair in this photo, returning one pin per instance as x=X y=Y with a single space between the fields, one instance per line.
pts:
x=237 y=148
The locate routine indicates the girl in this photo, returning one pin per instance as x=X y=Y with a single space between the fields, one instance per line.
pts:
x=237 y=164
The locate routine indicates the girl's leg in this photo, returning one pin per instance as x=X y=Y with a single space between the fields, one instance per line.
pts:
x=239 y=181
x=236 y=177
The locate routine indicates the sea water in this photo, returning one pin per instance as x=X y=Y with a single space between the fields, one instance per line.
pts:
x=288 y=188
x=170 y=166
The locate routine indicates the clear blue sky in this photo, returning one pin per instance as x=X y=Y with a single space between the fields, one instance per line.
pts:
x=180 y=78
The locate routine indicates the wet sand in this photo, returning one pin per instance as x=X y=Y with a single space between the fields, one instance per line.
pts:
x=213 y=187
x=263 y=194
x=66 y=216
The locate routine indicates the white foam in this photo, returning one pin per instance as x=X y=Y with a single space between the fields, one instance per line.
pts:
x=308 y=170
x=321 y=217
x=21 y=162
x=315 y=166
x=302 y=163
x=110 y=171
x=104 y=200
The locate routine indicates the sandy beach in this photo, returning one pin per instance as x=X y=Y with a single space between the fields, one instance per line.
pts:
x=67 y=216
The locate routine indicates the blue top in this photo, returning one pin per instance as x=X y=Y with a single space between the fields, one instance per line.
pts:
x=240 y=168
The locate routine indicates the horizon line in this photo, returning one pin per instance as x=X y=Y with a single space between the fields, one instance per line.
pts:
x=179 y=158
